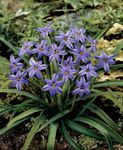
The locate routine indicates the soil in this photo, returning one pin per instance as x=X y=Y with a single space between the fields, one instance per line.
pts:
x=14 y=140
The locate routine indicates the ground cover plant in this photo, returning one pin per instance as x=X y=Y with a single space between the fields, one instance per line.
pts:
x=62 y=71
x=66 y=81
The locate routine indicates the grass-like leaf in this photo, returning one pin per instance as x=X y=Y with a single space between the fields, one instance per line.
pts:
x=33 y=130
x=8 y=44
x=69 y=139
x=109 y=142
x=83 y=130
x=4 y=110
x=23 y=115
x=52 y=136
x=107 y=84
x=104 y=116
x=119 y=46
x=29 y=95
x=53 y=119
x=96 y=93
x=116 y=101
x=5 y=129
x=103 y=128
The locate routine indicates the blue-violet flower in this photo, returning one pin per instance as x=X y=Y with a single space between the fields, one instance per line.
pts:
x=18 y=79
x=15 y=65
x=35 y=68
x=53 y=85
x=56 y=52
x=83 y=87
x=105 y=60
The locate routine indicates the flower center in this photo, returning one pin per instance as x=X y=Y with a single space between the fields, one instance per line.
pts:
x=81 y=53
x=66 y=72
x=65 y=38
x=78 y=33
x=105 y=60
x=87 y=70
x=14 y=65
x=56 y=51
x=18 y=78
x=24 y=47
x=53 y=85
x=41 y=49
x=35 y=67
x=82 y=87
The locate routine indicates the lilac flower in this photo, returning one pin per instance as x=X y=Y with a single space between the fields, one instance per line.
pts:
x=56 y=52
x=65 y=39
x=18 y=79
x=81 y=54
x=93 y=45
x=41 y=49
x=35 y=68
x=15 y=64
x=83 y=87
x=67 y=73
x=88 y=70
x=53 y=85
x=79 y=35
x=45 y=31
x=26 y=48
x=69 y=62
x=105 y=60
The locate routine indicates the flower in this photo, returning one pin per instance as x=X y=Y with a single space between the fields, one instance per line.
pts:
x=35 y=68
x=41 y=49
x=65 y=39
x=56 y=52
x=105 y=60
x=88 y=70
x=67 y=73
x=69 y=62
x=15 y=65
x=83 y=87
x=26 y=48
x=79 y=35
x=45 y=31
x=18 y=79
x=53 y=85
x=81 y=54
x=93 y=45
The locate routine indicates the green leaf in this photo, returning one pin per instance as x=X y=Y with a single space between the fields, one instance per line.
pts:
x=4 y=110
x=100 y=34
x=111 y=96
x=5 y=129
x=52 y=136
x=86 y=106
x=24 y=104
x=116 y=101
x=109 y=141
x=119 y=46
x=83 y=130
x=96 y=93
x=4 y=65
x=102 y=127
x=8 y=44
x=24 y=94
x=23 y=115
x=55 y=118
x=107 y=84
x=104 y=116
x=33 y=130
x=75 y=3
x=69 y=139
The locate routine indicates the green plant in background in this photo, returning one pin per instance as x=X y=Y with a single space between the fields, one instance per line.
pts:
x=62 y=71
x=18 y=22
